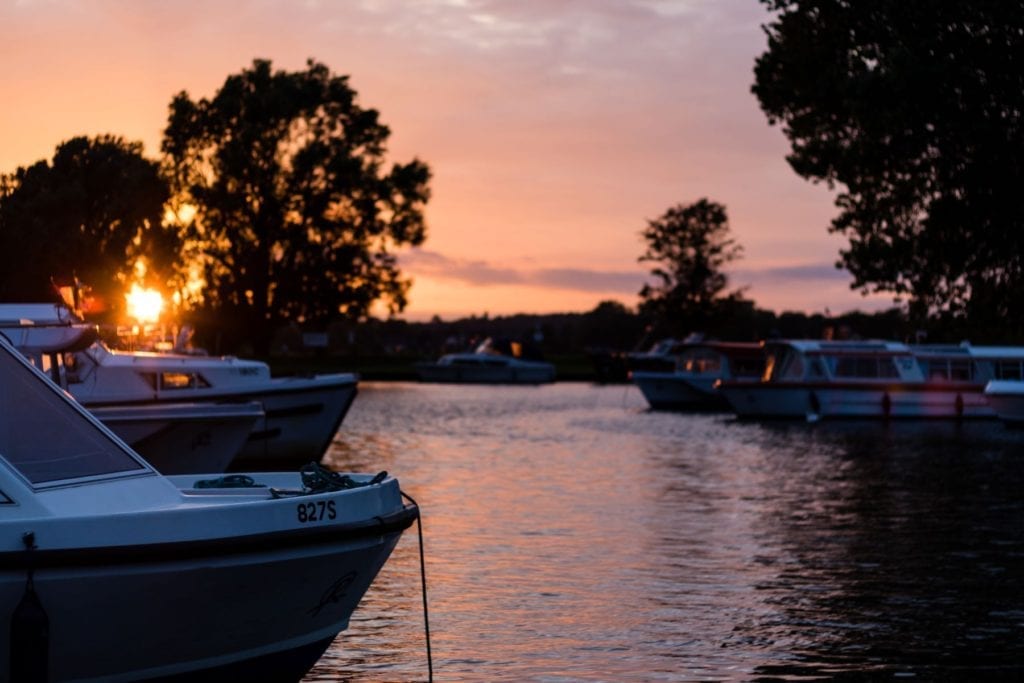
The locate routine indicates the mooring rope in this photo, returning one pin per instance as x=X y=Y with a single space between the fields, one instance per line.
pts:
x=423 y=583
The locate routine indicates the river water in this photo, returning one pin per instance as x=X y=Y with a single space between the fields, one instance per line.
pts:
x=572 y=534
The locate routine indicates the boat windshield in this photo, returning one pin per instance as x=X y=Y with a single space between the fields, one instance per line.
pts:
x=46 y=439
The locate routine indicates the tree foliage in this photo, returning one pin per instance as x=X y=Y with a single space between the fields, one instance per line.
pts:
x=91 y=213
x=913 y=107
x=296 y=214
x=690 y=246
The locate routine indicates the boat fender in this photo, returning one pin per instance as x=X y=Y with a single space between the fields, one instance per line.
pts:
x=30 y=628
x=886 y=405
x=815 y=404
x=959 y=405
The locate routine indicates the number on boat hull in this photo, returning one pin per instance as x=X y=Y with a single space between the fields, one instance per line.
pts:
x=317 y=511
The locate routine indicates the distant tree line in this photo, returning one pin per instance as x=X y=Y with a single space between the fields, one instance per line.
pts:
x=609 y=328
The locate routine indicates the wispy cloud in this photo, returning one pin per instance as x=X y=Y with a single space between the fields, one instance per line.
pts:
x=482 y=273
x=810 y=272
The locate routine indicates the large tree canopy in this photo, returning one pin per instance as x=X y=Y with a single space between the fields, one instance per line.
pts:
x=295 y=212
x=689 y=245
x=913 y=107
x=91 y=213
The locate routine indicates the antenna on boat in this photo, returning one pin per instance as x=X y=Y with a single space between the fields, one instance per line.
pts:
x=30 y=627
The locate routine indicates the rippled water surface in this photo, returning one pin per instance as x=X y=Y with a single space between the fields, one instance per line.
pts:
x=574 y=535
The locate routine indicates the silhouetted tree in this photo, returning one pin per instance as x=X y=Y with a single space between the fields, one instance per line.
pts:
x=915 y=108
x=92 y=212
x=296 y=214
x=690 y=245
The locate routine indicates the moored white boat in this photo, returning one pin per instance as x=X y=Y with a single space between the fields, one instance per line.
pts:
x=110 y=571
x=869 y=379
x=486 y=365
x=699 y=365
x=300 y=414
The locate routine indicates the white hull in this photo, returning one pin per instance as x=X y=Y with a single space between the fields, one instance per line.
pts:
x=676 y=391
x=1007 y=400
x=780 y=400
x=301 y=415
x=183 y=438
x=170 y=603
x=300 y=420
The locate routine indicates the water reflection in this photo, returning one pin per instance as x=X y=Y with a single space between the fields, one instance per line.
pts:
x=574 y=535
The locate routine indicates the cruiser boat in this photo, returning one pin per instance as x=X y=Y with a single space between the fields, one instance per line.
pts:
x=869 y=379
x=487 y=364
x=300 y=414
x=699 y=365
x=110 y=571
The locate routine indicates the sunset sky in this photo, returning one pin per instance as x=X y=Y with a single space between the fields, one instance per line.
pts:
x=554 y=130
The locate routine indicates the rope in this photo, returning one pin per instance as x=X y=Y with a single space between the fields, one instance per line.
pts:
x=229 y=481
x=316 y=479
x=423 y=582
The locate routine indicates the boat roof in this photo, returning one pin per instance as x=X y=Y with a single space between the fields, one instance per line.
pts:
x=38 y=314
x=841 y=346
x=966 y=349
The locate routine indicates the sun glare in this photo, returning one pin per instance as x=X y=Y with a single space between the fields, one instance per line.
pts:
x=144 y=305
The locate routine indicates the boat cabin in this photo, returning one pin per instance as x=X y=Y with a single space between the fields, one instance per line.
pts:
x=811 y=360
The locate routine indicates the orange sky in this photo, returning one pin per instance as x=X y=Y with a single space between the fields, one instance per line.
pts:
x=554 y=129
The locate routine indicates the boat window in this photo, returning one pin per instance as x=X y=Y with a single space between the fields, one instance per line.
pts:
x=887 y=368
x=182 y=380
x=960 y=369
x=1008 y=369
x=149 y=378
x=747 y=367
x=792 y=366
x=815 y=369
x=864 y=367
x=702 y=362
x=45 y=438
x=946 y=369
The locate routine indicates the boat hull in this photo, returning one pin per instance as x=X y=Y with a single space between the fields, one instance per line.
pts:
x=300 y=420
x=861 y=400
x=301 y=415
x=674 y=391
x=1007 y=400
x=265 y=611
x=184 y=438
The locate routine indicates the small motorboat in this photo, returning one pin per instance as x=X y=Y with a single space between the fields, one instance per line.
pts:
x=490 y=363
x=111 y=571
x=301 y=415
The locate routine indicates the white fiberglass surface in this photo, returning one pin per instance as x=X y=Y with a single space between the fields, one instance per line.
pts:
x=44 y=437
